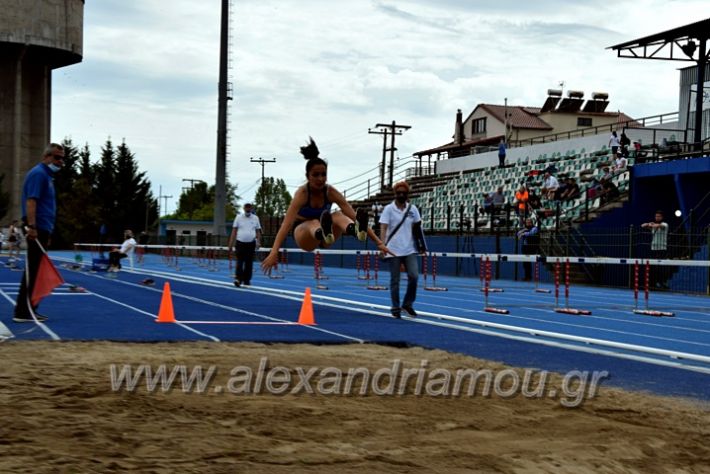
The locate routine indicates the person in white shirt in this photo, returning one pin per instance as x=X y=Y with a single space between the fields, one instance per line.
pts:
x=246 y=234
x=614 y=143
x=550 y=185
x=401 y=227
x=127 y=248
x=620 y=164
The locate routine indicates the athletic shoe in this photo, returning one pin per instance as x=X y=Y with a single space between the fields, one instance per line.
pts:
x=326 y=225
x=410 y=311
x=396 y=313
x=237 y=283
x=28 y=318
x=361 y=221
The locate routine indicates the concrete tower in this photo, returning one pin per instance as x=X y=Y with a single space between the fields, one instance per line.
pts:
x=36 y=36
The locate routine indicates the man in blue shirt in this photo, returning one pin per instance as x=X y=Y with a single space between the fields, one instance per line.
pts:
x=39 y=210
x=530 y=236
x=501 y=153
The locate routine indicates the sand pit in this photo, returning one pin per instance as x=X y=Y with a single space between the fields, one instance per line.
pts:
x=60 y=413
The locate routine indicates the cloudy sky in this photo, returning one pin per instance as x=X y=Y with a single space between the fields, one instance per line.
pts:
x=332 y=69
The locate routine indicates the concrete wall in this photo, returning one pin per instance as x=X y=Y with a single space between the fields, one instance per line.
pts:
x=36 y=36
x=647 y=136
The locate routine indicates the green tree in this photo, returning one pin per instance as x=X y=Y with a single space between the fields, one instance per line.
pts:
x=272 y=198
x=197 y=203
x=136 y=207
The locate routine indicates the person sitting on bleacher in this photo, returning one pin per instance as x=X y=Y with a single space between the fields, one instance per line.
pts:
x=620 y=165
x=116 y=254
x=606 y=175
x=608 y=193
x=549 y=186
x=571 y=190
x=487 y=203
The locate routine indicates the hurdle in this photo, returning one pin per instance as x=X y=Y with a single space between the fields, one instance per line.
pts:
x=432 y=256
x=646 y=311
x=566 y=309
x=486 y=270
x=318 y=268
x=364 y=267
x=375 y=286
x=485 y=274
x=537 y=279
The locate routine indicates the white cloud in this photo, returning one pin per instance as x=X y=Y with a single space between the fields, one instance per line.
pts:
x=334 y=69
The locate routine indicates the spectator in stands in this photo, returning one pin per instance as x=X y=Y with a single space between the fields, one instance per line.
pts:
x=614 y=143
x=620 y=164
x=639 y=151
x=609 y=192
x=499 y=198
x=487 y=203
x=571 y=190
x=127 y=248
x=501 y=153
x=530 y=237
x=659 y=247
x=625 y=142
x=521 y=202
x=606 y=175
x=534 y=202
x=549 y=186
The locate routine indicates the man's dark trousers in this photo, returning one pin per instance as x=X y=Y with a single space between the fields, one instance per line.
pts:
x=245 y=260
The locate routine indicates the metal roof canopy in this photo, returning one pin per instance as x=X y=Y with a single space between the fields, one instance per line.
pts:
x=667 y=46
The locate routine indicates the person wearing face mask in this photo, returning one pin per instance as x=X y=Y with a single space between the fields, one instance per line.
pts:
x=309 y=215
x=401 y=224
x=116 y=255
x=246 y=233
x=39 y=211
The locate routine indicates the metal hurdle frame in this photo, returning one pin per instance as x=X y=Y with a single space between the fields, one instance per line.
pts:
x=536 y=277
x=486 y=270
x=566 y=309
x=646 y=311
x=374 y=286
x=433 y=257
x=317 y=266
x=485 y=274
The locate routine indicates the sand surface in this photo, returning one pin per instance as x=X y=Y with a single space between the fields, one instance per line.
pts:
x=59 y=413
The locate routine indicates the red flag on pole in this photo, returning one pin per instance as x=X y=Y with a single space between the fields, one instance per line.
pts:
x=48 y=278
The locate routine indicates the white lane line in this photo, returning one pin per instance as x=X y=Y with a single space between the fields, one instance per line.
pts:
x=231 y=308
x=42 y=326
x=188 y=328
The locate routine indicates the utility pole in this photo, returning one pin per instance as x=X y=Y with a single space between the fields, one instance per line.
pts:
x=384 y=155
x=160 y=208
x=393 y=130
x=262 y=162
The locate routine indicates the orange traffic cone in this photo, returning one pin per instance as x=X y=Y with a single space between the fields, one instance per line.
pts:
x=306 y=317
x=166 y=313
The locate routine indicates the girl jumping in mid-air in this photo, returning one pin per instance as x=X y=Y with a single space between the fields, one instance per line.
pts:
x=310 y=217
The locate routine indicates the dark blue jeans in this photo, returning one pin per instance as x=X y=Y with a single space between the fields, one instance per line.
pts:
x=412 y=268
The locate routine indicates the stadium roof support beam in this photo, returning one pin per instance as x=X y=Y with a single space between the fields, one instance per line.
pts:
x=678 y=44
